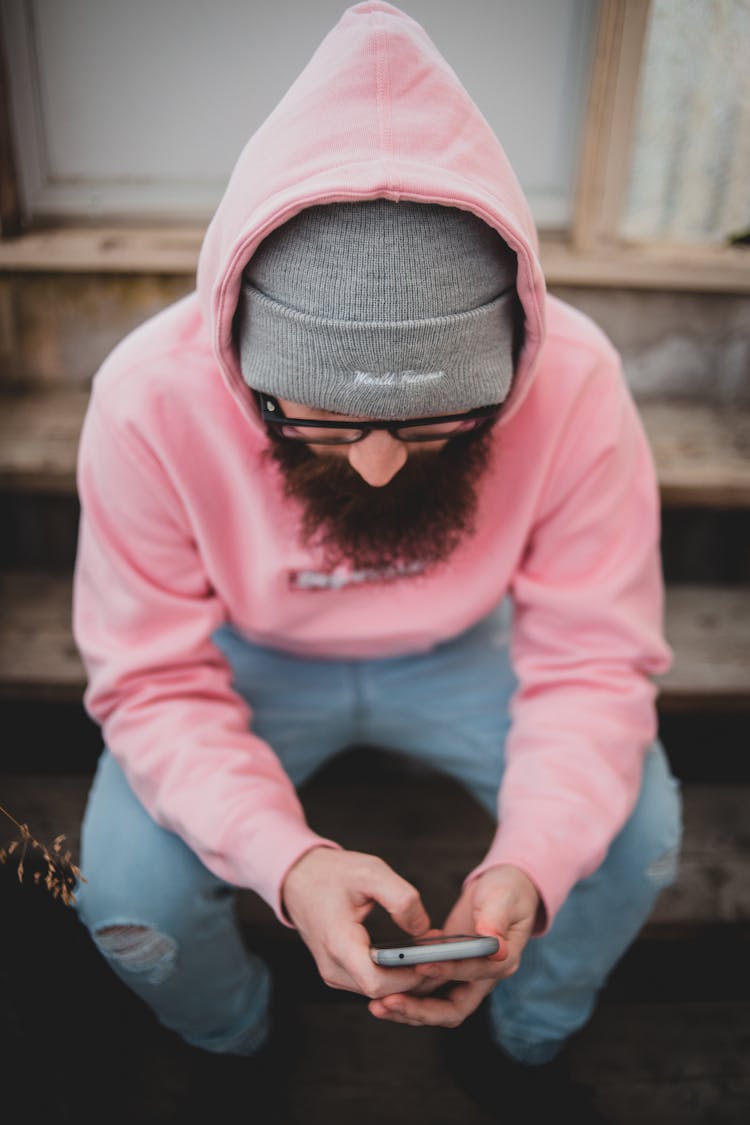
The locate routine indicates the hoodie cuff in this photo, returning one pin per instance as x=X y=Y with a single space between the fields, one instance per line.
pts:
x=265 y=873
x=553 y=880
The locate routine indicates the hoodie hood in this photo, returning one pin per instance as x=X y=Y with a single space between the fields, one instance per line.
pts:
x=376 y=113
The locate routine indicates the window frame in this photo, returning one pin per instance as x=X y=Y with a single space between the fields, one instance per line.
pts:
x=590 y=252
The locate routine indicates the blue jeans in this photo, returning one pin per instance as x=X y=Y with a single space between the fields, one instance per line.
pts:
x=170 y=927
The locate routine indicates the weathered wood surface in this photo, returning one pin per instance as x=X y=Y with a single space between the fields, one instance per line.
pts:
x=38 y=657
x=39 y=437
x=433 y=834
x=702 y=452
x=172 y=249
x=166 y=249
x=59 y=328
x=714 y=879
x=658 y=1052
x=650 y=1058
x=708 y=627
x=654 y=1064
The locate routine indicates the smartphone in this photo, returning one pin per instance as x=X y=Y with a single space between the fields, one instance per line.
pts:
x=418 y=951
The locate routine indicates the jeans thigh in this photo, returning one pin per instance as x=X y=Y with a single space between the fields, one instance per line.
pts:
x=166 y=924
x=305 y=709
x=448 y=708
x=134 y=870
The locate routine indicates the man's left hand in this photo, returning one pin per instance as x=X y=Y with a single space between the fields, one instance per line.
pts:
x=503 y=903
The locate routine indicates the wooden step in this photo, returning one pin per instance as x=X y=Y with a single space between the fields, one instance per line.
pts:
x=655 y=1057
x=666 y=1044
x=708 y=627
x=702 y=452
x=38 y=656
x=346 y=802
x=39 y=434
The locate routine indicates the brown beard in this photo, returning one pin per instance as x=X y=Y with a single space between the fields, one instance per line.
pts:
x=415 y=521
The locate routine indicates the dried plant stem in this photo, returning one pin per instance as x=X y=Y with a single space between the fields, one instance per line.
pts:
x=61 y=875
x=6 y=813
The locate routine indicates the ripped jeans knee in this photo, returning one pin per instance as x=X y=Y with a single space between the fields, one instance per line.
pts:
x=664 y=869
x=139 y=950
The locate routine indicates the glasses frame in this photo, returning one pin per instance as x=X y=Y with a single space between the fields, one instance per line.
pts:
x=273 y=415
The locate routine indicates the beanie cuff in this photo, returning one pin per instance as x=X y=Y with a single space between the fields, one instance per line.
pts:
x=381 y=369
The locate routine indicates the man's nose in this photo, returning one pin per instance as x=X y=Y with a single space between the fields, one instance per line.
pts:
x=378 y=457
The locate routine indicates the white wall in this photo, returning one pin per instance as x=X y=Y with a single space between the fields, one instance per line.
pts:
x=140 y=107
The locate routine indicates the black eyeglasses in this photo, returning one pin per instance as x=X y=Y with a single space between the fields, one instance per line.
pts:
x=314 y=431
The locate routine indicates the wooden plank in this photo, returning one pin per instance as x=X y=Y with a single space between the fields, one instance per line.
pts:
x=655 y=1062
x=38 y=657
x=650 y=1063
x=713 y=886
x=436 y=854
x=127 y=248
x=610 y=121
x=663 y=1064
x=39 y=434
x=702 y=453
x=708 y=628
x=357 y=1068
x=165 y=250
x=57 y=329
x=663 y=266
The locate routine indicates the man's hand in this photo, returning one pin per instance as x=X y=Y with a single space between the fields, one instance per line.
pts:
x=328 y=894
x=503 y=903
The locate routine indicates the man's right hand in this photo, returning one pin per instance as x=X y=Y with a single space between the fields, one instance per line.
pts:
x=328 y=894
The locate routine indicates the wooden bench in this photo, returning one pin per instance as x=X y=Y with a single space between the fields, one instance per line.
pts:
x=701 y=451
x=708 y=628
x=702 y=456
x=436 y=851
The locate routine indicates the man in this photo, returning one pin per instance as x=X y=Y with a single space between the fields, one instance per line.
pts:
x=371 y=484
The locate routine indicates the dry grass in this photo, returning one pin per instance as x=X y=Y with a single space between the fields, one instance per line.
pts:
x=61 y=873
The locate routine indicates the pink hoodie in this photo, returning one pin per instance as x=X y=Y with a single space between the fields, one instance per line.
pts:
x=184 y=525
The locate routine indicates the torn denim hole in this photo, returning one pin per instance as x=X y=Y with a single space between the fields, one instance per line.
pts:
x=138 y=949
x=663 y=869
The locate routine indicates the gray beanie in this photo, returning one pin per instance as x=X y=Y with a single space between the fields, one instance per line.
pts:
x=380 y=309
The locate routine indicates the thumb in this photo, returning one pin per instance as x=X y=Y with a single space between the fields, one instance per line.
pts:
x=470 y=917
x=491 y=923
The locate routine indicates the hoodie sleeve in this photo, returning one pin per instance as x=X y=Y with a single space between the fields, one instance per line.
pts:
x=143 y=614
x=587 y=638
